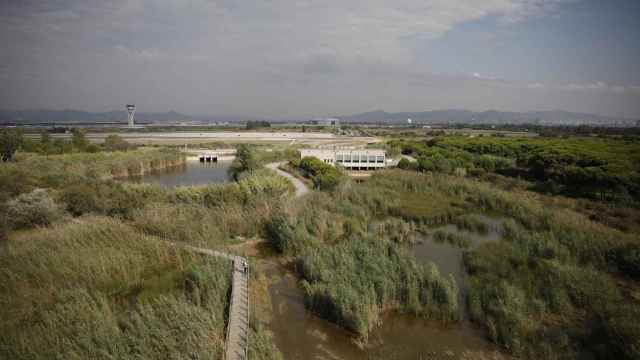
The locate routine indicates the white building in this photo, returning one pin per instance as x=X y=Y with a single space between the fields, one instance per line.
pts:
x=363 y=159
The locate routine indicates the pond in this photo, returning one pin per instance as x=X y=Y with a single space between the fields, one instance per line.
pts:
x=300 y=334
x=193 y=172
x=448 y=257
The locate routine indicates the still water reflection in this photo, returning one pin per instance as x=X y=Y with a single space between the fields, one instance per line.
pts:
x=190 y=174
x=301 y=335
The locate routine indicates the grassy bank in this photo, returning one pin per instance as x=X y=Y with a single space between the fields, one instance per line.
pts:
x=96 y=288
x=351 y=277
x=558 y=285
x=84 y=272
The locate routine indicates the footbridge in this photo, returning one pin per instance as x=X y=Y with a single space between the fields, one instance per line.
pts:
x=237 y=340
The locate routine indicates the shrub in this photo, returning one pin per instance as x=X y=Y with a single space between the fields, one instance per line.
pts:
x=325 y=177
x=32 y=209
x=279 y=232
x=627 y=259
x=246 y=161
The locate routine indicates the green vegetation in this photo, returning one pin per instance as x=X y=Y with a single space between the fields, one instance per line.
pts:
x=351 y=277
x=472 y=222
x=245 y=161
x=598 y=168
x=32 y=209
x=90 y=290
x=352 y=282
x=84 y=272
x=443 y=236
x=554 y=285
x=324 y=176
x=95 y=279
x=257 y=124
x=10 y=141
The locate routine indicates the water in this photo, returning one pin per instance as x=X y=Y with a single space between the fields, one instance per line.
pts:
x=448 y=257
x=192 y=173
x=300 y=334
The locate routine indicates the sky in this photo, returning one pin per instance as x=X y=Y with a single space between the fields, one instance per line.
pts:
x=281 y=58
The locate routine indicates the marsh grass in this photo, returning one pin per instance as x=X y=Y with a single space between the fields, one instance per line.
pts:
x=443 y=236
x=96 y=288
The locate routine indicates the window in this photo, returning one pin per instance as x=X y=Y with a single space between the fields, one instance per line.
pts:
x=372 y=158
x=380 y=159
x=356 y=158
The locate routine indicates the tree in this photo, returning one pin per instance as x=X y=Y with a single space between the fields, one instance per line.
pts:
x=45 y=138
x=79 y=139
x=257 y=124
x=404 y=164
x=10 y=141
x=245 y=160
x=116 y=143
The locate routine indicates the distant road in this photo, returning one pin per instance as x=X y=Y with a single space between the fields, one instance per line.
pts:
x=301 y=188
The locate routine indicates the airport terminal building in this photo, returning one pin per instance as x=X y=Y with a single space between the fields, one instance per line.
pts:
x=363 y=159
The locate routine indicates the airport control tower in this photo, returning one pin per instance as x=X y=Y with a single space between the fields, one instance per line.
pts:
x=131 y=109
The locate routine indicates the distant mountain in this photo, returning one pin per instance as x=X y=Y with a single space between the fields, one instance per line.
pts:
x=454 y=116
x=75 y=116
x=451 y=116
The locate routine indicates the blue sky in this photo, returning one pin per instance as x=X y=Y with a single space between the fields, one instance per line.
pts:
x=306 y=58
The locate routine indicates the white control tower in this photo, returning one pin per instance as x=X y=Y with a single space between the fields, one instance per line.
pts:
x=131 y=109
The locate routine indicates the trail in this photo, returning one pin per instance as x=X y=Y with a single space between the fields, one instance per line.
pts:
x=301 y=188
x=237 y=340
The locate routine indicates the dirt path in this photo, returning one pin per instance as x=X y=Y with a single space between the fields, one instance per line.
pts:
x=301 y=188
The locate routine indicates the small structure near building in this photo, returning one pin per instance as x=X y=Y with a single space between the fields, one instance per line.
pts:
x=326 y=122
x=363 y=159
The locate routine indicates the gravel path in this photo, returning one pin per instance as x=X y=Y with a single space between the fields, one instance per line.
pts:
x=301 y=188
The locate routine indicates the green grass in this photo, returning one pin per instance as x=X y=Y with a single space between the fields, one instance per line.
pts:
x=99 y=289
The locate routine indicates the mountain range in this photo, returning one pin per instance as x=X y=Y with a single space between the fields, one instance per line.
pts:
x=549 y=118
x=451 y=116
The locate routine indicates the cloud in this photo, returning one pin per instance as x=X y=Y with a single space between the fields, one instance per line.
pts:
x=226 y=56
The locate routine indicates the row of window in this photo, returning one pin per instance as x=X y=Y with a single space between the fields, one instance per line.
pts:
x=372 y=159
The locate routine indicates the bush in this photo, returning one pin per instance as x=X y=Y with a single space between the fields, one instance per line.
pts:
x=352 y=282
x=627 y=259
x=324 y=176
x=246 y=161
x=32 y=209
x=279 y=232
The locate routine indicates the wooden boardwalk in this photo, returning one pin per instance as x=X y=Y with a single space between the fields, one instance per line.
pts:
x=237 y=342
x=238 y=327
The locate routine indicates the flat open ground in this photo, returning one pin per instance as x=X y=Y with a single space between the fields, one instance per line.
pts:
x=179 y=138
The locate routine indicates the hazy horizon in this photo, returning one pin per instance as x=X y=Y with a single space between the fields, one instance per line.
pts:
x=302 y=59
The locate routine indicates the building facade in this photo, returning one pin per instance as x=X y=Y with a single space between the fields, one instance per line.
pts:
x=326 y=122
x=363 y=159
